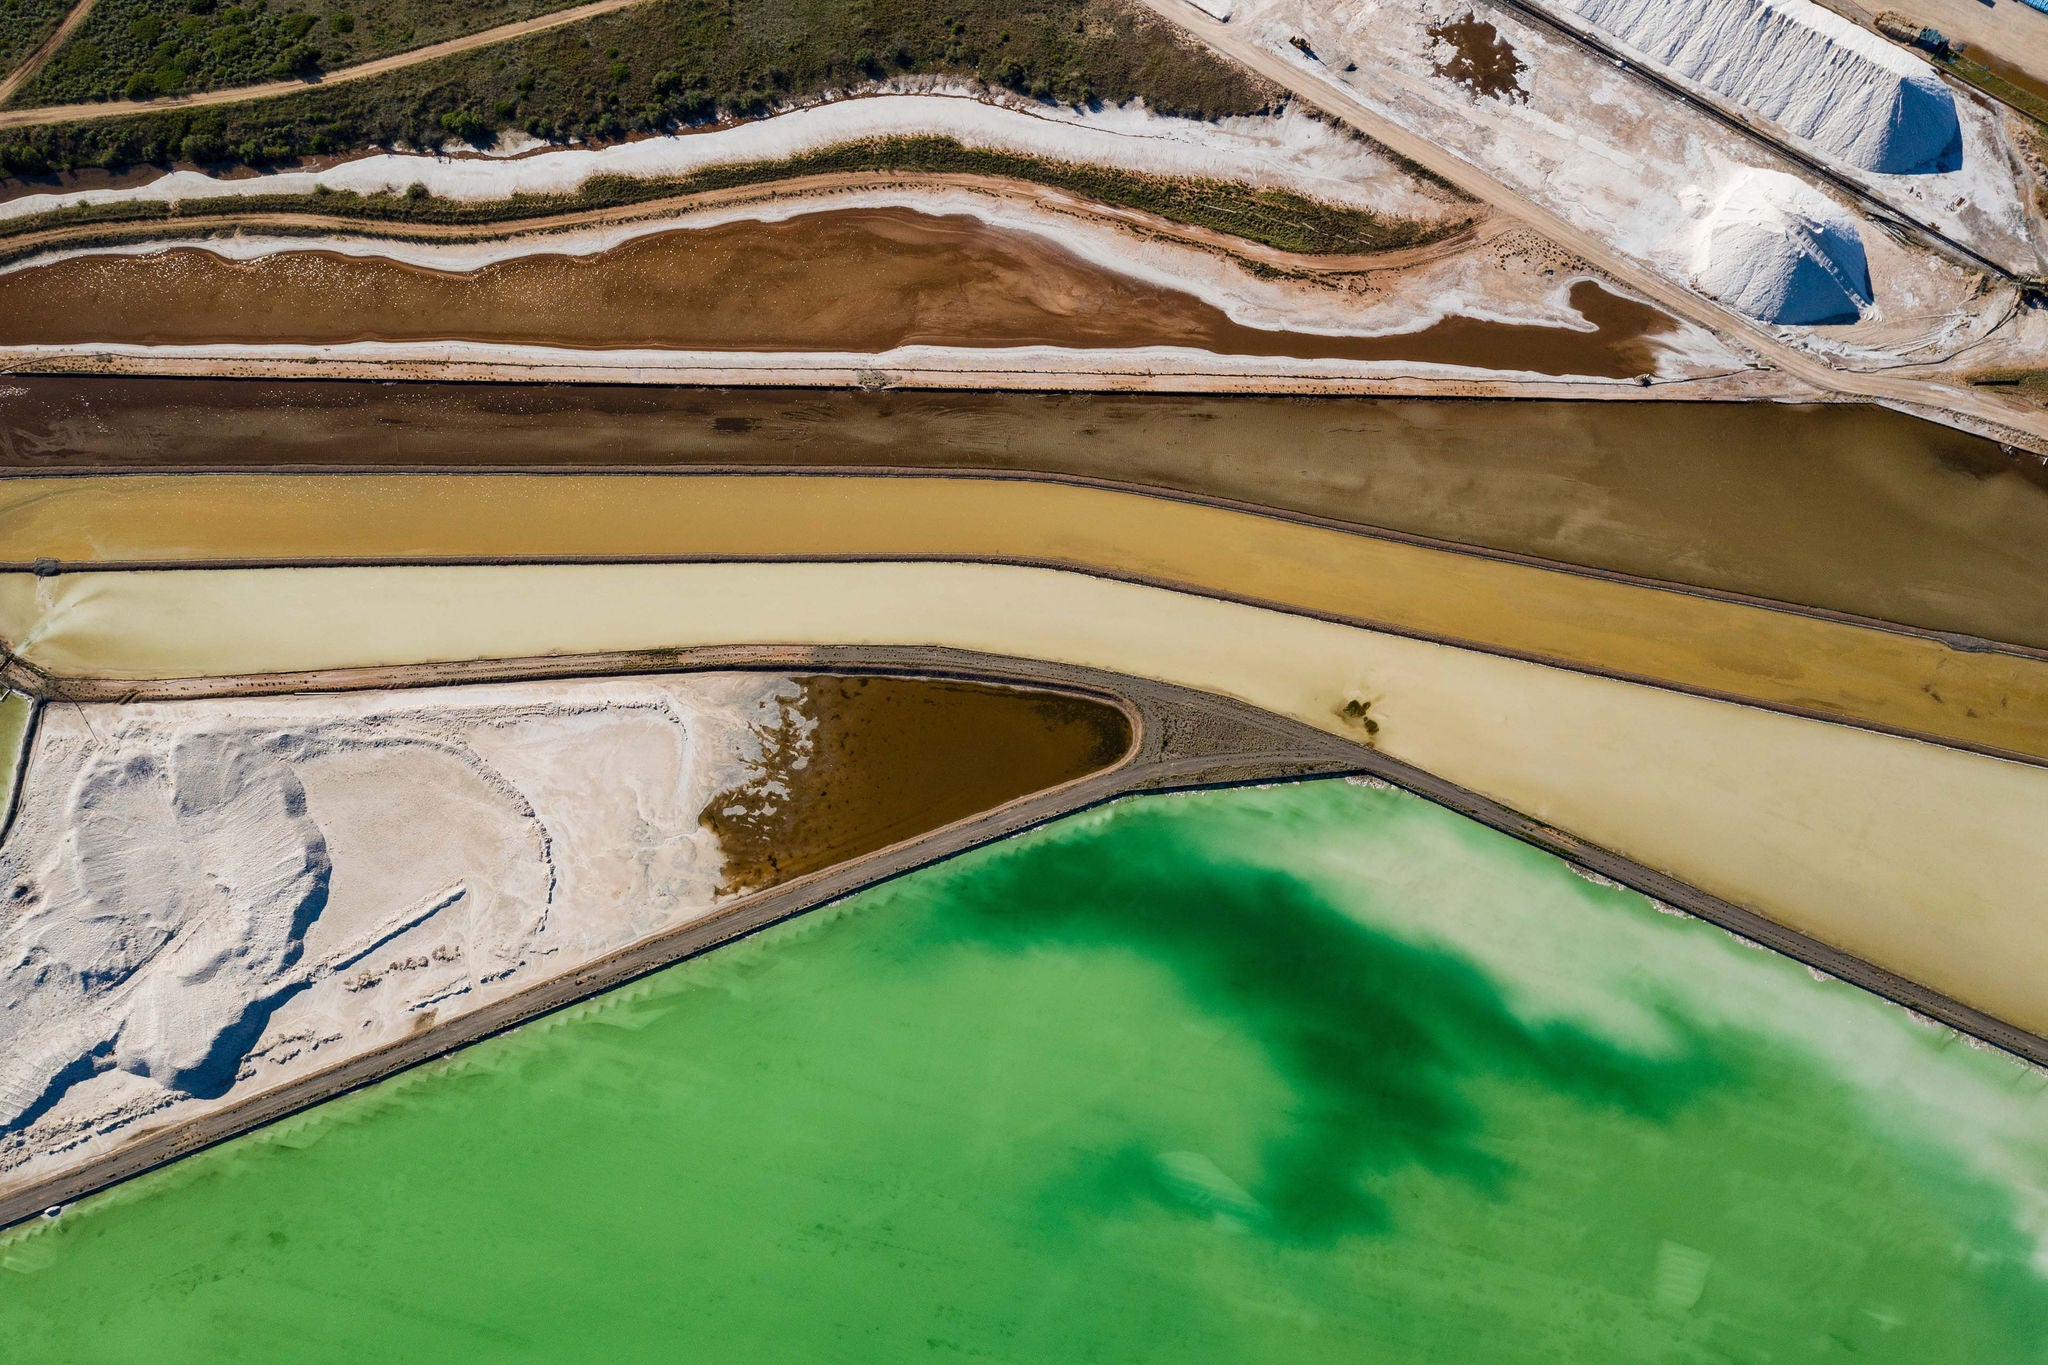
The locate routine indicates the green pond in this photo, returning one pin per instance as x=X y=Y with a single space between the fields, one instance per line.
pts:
x=1314 y=1072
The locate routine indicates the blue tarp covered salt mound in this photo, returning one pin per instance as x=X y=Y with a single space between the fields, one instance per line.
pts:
x=1779 y=250
x=1850 y=93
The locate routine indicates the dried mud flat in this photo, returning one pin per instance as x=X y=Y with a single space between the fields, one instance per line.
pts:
x=204 y=900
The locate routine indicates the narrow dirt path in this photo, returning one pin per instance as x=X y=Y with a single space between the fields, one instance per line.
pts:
x=72 y=113
x=1185 y=740
x=19 y=77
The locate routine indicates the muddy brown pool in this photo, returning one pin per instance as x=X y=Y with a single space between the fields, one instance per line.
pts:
x=855 y=764
x=865 y=280
x=1478 y=58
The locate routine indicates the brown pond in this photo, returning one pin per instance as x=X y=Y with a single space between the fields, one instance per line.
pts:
x=1479 y=58
x=852 y=280
x=855 y=764
x=1856 y=509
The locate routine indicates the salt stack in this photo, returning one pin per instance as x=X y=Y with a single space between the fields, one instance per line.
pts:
x=1854 y=96
x=1779 y=250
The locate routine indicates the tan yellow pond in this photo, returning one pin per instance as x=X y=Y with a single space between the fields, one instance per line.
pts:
x=1923 y=859
x=1839 y=669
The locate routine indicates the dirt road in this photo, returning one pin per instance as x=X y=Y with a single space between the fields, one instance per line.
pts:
x=72 y=113
x=33 y=63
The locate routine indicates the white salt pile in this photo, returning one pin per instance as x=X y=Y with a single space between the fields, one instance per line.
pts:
x=203 y=898
x=1850 y=93
x=1779 y=250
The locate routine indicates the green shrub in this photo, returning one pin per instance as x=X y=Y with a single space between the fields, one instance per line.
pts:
x=1271 y=217
x=688 y=60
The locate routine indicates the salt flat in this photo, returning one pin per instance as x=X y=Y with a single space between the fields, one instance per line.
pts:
x=204 y=899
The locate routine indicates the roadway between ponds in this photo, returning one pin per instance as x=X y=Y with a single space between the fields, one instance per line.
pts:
x=1183 y=740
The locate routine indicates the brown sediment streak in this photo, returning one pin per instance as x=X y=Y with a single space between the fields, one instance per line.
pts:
x=855 y=764
x=1845 y=508
x=848 y=280
x=1809 y=665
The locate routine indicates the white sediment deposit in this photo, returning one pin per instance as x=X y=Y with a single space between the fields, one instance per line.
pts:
x=1614 y=156
x=1290 y=150
x=1779 y=250
x=201 y=899
x=1850 y=93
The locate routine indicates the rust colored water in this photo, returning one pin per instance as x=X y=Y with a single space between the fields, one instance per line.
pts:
x=855 y=764
x=866 y=280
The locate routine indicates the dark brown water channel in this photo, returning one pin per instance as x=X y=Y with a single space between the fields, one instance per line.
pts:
x=1855 y=509
x=856 y=764
x=865 y=280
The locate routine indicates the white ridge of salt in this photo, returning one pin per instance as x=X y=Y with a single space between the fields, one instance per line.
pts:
x=1779 y=250
x=1848 y=92
x=1291 y=150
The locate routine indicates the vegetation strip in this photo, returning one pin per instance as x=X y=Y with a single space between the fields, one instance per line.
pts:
x=143 y=49
x=1280 y=219
x=660 y=64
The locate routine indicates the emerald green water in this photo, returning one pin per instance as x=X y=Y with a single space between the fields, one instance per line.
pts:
x=1318 y=1072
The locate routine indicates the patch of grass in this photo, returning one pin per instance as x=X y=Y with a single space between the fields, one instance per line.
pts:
x=1275 y=218
x=24 y=24
x=138 y=49
x=679 y=61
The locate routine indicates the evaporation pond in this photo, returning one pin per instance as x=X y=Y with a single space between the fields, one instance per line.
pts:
x=1316 y=1072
